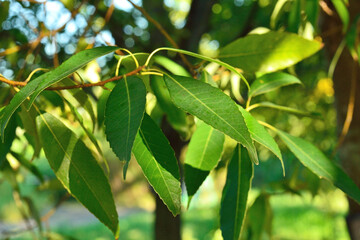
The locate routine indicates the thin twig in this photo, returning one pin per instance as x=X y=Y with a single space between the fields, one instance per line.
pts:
x=163 y=32
x=85 y=85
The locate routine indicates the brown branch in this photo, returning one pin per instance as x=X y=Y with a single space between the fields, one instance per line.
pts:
x=350 y=110
x=163 y=32
x=85 y=85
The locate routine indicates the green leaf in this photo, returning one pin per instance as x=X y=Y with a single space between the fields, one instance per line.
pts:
x=270 y=82
x=343 y=12
x=157 y=160
x=175 y=116
x=9 y=138
x=312 y=158
x=259 y=217
x=37 y=85
x=268 y=52
x=205 y=147
x=77 y=169
x=128 y=60
x=260 y=135
x=193 y=179
x=235 y=194
x=284 y=108
x=124 y=110
x=212 y=106
x=171 y=66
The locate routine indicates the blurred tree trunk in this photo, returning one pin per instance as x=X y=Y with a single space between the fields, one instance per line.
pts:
x=346 y=72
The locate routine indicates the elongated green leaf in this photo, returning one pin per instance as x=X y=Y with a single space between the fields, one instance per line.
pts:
x=205 y=147
x=77 y=169
x=9 y=138
x=343 y=12
x=284 y=108
x=37 y=85
x=270 y=82
x=235 y=194
x=4 y=12
x=260 y=217
x=260 y=135
x=157 y=160
x=171 y=66
x=312 y=158
x=193 y=179
x=124 y=110
x=212 y=106
x=175 y=116
x=268 y=52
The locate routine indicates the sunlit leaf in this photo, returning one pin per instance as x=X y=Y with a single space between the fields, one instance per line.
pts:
x=124 y=110
x=235 y=194
x=158 y=163
x=205 y=147
x=268 y=52
x=212 y=106
x=270 y=82
x=77 y=169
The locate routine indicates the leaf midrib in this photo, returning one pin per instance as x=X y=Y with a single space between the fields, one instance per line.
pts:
x=58 y=141
x=205 y=147
x=157 y=165
x=245 y=140
x=305 y=154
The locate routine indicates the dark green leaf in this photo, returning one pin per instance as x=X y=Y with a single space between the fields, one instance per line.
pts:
x=268 y=52
x=270 y=82
x=205 y=147
x=124 y=110
x=193 y=179
x=157 y=160
x=235 y=194
x=4 y=12
x=312 y=158
x=9 y=136
x=36 y=86
x=212 y=106
x=77 y=169
x=260 y=218
x=260 y=135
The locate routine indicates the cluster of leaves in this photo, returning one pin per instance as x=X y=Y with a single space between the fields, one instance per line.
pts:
x=129 y=128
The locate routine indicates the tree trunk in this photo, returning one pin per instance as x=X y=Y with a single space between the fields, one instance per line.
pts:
x=346 y=74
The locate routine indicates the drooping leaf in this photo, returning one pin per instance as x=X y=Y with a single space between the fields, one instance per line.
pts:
x=207 y=78
x=270 y=82
x=193 y=179
x=285 y=109
x=77 y=169
x=175 y=116
x=268 y=52
x=129 y=63
x=212 y=106
x=37 y=85
x=260 y=135
x=4 y=12
x=235 y=194
x=9 y=138
x=205 y=147
x=158 y=163
x=312 y=158
x=124 y=110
